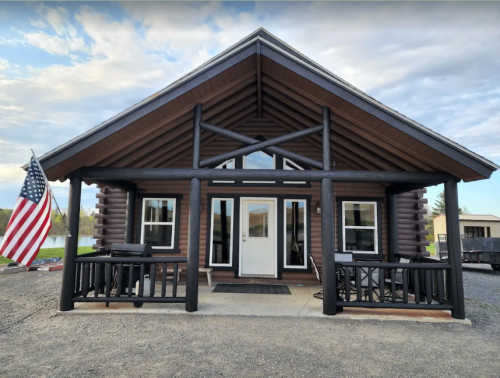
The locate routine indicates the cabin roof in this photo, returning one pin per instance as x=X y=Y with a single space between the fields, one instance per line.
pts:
x=279 y=61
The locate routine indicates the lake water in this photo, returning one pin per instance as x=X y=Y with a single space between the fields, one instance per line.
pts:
x=58 y=241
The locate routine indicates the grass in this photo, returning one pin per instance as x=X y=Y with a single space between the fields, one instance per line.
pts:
x=46 y=253
x=432 y=249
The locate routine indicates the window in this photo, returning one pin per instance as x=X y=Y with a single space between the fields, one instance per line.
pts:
x=259 y=160
x=295 y=234
x=221 y=240
x=474 y=232
x=229 y=164
x=359 y=225
x=158 y=222
x=289 y=165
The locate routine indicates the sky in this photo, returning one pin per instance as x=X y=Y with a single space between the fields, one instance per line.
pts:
x=66 y=67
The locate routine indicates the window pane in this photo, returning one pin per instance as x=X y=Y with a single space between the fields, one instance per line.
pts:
x=221 y=232
x=259 y=160
x=159 y=211
x=158 y=235
x=258 y=219
x=227 y=165
x=359 y=214
x=359 y=240
x=295 y=233
x=289 y=166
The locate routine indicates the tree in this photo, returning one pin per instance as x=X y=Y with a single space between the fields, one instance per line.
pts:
x=439 y=208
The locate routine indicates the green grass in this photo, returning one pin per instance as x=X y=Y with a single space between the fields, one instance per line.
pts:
x=46 y=253
x=432 y=249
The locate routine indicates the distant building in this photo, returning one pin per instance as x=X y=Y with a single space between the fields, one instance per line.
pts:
x=471 y=226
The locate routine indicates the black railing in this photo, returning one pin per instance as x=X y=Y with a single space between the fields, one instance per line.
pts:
x=394 y=285
x=101 y=278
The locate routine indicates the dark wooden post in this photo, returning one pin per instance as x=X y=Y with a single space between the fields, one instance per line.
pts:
x=454 y=249
x=327 y=227
x=392 y=225
x=129 y=237
x=71 y=248
x=193 y=255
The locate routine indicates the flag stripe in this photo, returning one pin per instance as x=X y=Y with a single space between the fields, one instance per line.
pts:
x=33 y=246
x=24 y=215
x=16 y=211
x=32 y=233
x=21 y=230
x=36 y=248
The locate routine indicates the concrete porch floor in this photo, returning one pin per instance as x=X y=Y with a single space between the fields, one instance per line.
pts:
x=300 y=303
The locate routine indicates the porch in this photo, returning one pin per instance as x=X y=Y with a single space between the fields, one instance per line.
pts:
x=300 y=304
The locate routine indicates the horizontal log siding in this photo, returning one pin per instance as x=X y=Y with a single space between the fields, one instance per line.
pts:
x=110 y=215
x=411 y=223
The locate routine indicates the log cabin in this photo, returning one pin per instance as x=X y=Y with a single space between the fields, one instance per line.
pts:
x=263 y=166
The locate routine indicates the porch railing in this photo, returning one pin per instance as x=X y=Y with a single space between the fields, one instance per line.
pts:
x=395 y=285
x=100 y=278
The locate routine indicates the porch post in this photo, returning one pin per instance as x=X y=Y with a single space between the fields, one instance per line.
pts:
x=392 y=223
x=327 y=229
x=193 y=255
x=129 y=237
x=71 y=247
x=454 y=249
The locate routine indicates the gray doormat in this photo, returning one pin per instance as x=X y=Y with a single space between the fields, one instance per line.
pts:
x=252 y=289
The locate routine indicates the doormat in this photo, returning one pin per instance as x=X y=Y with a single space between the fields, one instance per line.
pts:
x=251 y=289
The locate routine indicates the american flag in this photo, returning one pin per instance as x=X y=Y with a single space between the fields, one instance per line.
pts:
x=30 y=222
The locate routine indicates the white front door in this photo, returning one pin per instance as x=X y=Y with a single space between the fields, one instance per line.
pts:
x=258 y=238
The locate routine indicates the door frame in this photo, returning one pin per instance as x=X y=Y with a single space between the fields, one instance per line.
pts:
x=275 y=200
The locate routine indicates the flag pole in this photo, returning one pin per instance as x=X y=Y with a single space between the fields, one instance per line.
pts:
x=51 y=192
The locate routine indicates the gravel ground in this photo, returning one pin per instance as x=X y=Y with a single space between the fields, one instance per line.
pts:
x=35 y=342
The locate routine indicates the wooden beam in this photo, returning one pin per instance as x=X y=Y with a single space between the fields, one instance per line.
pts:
x=454 y=249
x=71 y=247
x=392 y=227
x=129 y=231
x=129 y=174
x=259 y=83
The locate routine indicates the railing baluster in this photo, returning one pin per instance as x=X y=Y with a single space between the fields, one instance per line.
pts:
x=358 y=284
x=347 y=284
x=97 y=283
x=405 y=285
x=141 y=281
x=78 y=283
x=164 y=280
x=152 y=277
x=119 y=280
x=92 y=275
x=428 y=286
x=86 y=278
x=381 y=284
x=174 y=286
x=416 y=282
x=393 y=284
x=108 y=279
x=102 y=273
x=370 y=284
x=130 y=279
x=440 y=286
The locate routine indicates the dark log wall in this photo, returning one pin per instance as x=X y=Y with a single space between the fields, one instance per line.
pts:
x=110 y=215
x=411 y=223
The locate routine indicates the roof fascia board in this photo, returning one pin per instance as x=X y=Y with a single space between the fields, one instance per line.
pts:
x=419 y=132
x=137 y=111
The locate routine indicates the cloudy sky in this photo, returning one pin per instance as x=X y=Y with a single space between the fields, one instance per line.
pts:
x=65 y=67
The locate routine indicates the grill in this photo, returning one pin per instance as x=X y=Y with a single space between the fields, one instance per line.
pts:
x=131 y=250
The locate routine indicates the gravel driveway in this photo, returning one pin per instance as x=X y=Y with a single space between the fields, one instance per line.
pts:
x=35 y=342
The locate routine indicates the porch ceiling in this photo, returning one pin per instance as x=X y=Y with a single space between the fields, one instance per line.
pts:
x=252 y=95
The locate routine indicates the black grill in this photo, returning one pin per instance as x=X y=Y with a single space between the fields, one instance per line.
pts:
x=131 y=250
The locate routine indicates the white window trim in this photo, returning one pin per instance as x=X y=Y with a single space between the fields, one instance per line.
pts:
x=220 y=167
x=297 y=167
x=305 y=235
x=259 y=182
x=212 y=233
x=143 y=223
x=375 y=228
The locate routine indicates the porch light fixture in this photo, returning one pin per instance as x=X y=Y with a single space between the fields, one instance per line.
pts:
x=318 y=207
